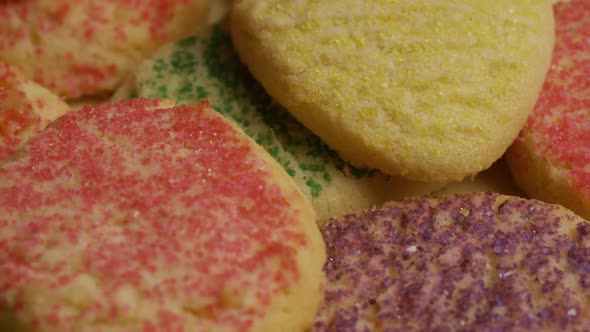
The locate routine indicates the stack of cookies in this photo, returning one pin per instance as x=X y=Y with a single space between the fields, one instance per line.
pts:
x=274 y=165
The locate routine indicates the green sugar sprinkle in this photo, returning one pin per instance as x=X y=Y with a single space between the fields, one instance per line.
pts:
x=185 y=88
x=313 y=167
x=163 y=91
x=187 y=42
x=160 y=65
x=202 y=93
x=315 y=188
x=287 y=167
x=274 y=151
x=183 y=62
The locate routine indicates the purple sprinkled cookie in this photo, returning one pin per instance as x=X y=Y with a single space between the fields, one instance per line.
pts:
x=477 y=262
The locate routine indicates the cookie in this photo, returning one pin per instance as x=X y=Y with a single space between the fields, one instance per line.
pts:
x=83 y=48
x=478 y=262
x=550 y=160
x=206 y=67
x=427 y=91
x=25 y=109
x=144 y=216
x=496 y=179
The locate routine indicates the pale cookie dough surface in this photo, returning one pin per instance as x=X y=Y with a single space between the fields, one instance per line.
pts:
x=206 y=67
x=84 y=47
x=25 y=109
x=496 y=179
x=551 y=158
x=145 y=216
x=477 y=262
x=432 y=91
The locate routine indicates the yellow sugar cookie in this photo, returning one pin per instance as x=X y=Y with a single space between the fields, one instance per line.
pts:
x=432 y=91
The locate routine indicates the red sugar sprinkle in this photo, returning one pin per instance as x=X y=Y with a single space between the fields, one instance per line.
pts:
x=126 y=191
x=153 y=13
x=16 y=112
x=35 y=20
x=562 y=114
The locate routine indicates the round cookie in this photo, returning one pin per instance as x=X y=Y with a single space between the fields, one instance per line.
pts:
x=84 y=47
x=550 y=160
x=144 y=216
x=428 y=91
x=478 y=262
x=25 y=109
x=206 y=67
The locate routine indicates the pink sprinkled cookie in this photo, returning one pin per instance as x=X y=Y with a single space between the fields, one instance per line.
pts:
x=145 y=216
x=25 y=109
x=477 y=262
x=551 y=158
x=84 y=47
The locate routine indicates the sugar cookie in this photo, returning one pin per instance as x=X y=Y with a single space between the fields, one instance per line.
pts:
x=496 y=179
x=25 y=109
x=478 y=262
x=144 y=216
x=432 y=91
x=551 y=158
x=84 y=47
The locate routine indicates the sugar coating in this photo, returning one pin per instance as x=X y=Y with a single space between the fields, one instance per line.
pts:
x=431 y=92
x=551 y=158
x=478 y=262
x=84 y=47
x=25 y=109
x=144 y=216
x=206 y=67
